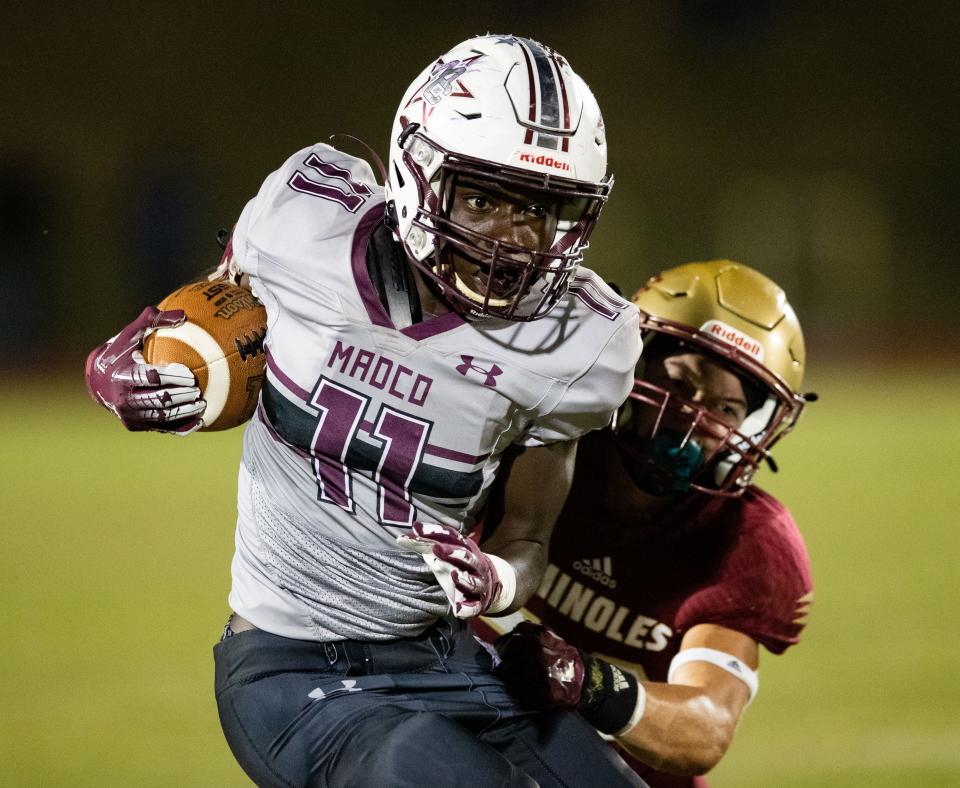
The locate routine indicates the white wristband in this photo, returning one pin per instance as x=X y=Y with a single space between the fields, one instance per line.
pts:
x=508 y=584
x=722 y=660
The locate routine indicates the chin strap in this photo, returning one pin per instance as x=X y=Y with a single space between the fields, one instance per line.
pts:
x=390 y=273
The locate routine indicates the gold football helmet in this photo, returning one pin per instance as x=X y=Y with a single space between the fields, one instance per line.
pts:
x=738 y=316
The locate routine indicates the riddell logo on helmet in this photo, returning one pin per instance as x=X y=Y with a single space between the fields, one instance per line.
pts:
x=546 y=161
x=732 y=336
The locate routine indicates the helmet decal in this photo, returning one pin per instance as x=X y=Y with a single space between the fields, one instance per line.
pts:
x=442 y=82
x=549 y=108
x=733 y=336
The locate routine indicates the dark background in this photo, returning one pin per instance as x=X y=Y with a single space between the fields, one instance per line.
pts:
x=816 y=142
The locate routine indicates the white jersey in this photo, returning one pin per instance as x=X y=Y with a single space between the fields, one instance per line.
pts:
x=363 y=429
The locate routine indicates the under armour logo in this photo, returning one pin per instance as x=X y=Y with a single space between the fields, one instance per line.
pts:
x=349 y=685
x=490 y=375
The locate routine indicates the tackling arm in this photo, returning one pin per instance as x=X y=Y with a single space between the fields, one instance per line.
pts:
x=683 y=727
x=688 y=724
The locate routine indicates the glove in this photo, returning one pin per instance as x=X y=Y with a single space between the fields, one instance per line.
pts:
x=144 y=396
x=542 y=671
x=472 y=579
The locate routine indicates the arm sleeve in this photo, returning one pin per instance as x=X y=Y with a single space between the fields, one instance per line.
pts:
x=591 y=399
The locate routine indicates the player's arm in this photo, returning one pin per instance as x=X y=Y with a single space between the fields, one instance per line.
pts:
x=535 y=491
x=229 y=268
x=688 y=724
x=158 y=398
x=500 y=577
x=684 y=726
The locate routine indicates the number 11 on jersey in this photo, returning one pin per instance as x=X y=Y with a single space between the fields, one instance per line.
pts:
x=404 y=439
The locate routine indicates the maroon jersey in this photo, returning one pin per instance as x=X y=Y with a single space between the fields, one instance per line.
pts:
x=629 y=590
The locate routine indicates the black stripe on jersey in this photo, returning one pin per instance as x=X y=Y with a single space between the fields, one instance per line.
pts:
x=296 y=427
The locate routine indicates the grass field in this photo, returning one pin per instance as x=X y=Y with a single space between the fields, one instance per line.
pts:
x=115 y=571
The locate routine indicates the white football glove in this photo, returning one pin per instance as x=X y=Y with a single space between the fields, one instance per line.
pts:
x=475 y=582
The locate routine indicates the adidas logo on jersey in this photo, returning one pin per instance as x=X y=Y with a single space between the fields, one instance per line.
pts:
x=599 y=569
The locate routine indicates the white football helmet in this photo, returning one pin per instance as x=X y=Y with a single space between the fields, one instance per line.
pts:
x=510 y=112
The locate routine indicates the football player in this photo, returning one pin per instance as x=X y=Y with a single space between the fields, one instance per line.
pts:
x=668 y=567
x=415 y=332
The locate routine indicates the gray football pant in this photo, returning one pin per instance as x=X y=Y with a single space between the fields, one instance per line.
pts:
x=424 y=712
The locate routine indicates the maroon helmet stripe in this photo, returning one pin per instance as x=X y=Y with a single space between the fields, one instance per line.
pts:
x=548 y=90
x=563 y=94
x=549 y=104
x=532 y=84
x=565 y=101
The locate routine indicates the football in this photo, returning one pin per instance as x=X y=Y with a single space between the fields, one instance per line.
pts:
x=222 y=344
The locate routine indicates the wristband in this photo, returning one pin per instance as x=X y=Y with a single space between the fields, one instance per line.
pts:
x=727 y=662
x=507 y=576
x=612 y=700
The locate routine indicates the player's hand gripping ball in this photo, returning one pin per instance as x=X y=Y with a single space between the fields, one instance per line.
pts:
x=144 y=396
x=221 y=343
